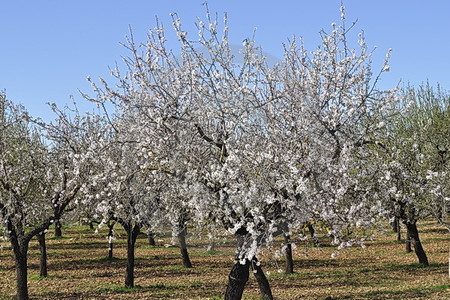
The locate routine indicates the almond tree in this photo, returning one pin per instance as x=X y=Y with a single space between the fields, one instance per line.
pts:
x=415 y=162
x=328 y=118
x=252 y=148
x=124 y=191
x=39 y=177
x=22 y=157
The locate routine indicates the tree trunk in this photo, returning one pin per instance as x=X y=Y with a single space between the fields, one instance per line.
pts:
x=22 y=277
x=58 y=231
x=264 y=286
x=183 y=247
x=408 y=242
x=394 y=224
x=110 y=240
x=239 y=273
x=43 y=250
x=289 y=261
x=20 y=249
x=236 y=280
x=110 y=250
x=312 y=231
x=151 y=238
x=415 y=240
x=132 y=233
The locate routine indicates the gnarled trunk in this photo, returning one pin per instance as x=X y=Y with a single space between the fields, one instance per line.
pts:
x=43 y=270
x=183 y=247
x=263 y=283
x=20 y=249
x=236 y=280
x=415 y=240
x=239 y=275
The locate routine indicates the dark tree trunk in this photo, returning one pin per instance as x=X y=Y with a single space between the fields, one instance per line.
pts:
x=236 y=280
x=22 y=276
x=58 y=231
x=312 y=231
x=183 y=248
x=394 y=224
x=43 y=250
x=408 y=242
x=91 y=225
x=151 y=238
x=20 y=249
x=110 y=250
x=110 y=240
x=264 y=286
x=289 y=261
x=415 y=240
x=132 y=233
x=238 y=275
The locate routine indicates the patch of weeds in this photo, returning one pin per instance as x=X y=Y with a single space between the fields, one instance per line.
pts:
x=150 y=247
x=176 y=268
x=437 y=239
x=254 y=297
x=58 y=238
x=107 y=259
x=115 y=288
x=284 y=275
x=441 y=287
x=159 y=286
x=196 y=284
x=209 y=253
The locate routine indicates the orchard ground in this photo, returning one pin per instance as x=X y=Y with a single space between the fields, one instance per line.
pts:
x=79 y=269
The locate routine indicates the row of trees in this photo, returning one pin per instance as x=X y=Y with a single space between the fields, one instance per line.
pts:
x=243 y=148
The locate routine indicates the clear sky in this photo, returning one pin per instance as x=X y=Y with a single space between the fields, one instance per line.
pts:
x=48 y=48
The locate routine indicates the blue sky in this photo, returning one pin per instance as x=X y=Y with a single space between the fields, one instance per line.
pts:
x=48 y=48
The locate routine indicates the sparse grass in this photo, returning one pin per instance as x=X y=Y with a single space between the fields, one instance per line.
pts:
x=79 y=268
